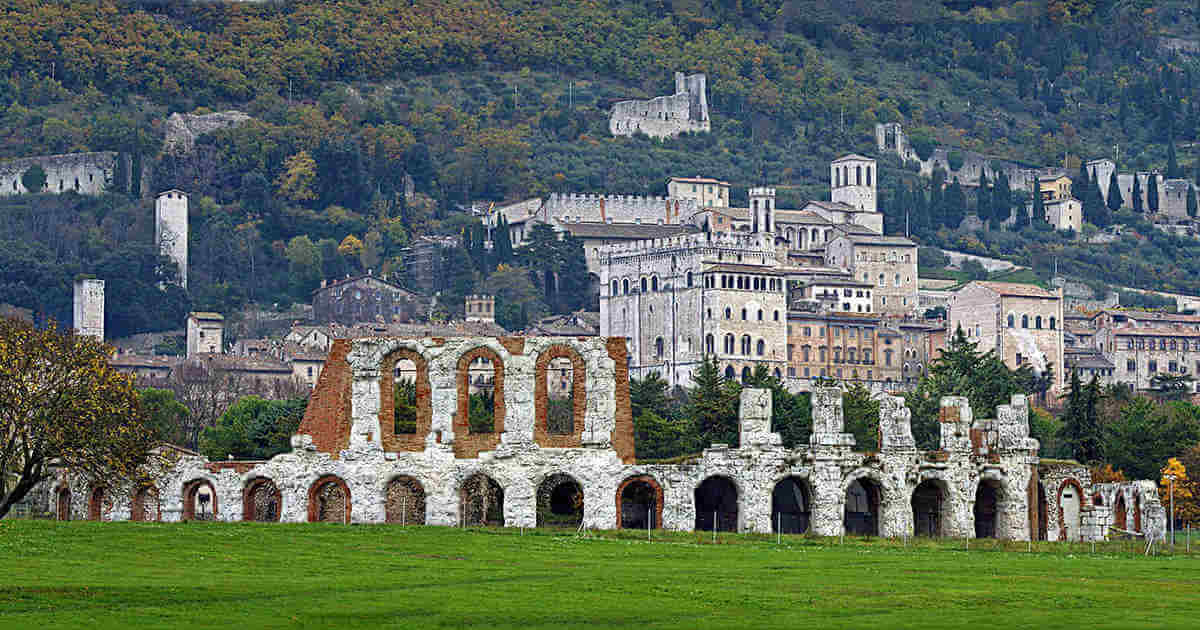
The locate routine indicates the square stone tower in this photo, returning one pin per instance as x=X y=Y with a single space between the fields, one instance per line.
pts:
x=853 y=181
x=89 y=307
x=205 y=333
x=171 y=229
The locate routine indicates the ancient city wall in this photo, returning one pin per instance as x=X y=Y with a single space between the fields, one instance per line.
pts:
x=84 y=173
x=571 y=208
x=348 y=465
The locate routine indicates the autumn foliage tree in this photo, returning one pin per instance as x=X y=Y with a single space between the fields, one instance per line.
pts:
x=63 y=406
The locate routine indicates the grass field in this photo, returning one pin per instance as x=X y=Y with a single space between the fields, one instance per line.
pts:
x=146 y=575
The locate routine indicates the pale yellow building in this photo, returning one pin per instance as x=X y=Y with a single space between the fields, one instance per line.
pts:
x=706 y=192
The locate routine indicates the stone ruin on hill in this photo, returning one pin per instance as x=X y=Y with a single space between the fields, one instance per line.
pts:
x=437 y=456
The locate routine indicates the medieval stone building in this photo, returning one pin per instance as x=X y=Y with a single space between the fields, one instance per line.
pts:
x=365 y=455
x=665 y=116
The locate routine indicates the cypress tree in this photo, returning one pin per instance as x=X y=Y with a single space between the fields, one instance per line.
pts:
x=1114 y=193
x=1152 y=194
x=1002 y=199
x=1191 y=201
x=711 y=405
x=983 y=201
x=1137 y=194
x=1172 y=164
x=1038 y=213
x=503 y=242
x=1081 y=424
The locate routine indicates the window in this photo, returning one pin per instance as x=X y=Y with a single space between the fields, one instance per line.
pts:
x=654 y=283
x=643 y=285
x=791 y=372
x=728 y=313
x=1152 y=367
x=806 y=352
x=1037 y=322
x=760 y=314
x=1172 y=367
x=625 y=286
x=1052 y=324
x=882 y=280
x=1020 y=359
x=837 y=332
x=897 y=279
x=689 y=279
x=658 y=347
x=709 y=313
x=776 y=315
x=743 y=314
x=790 y=347
x=614 y=288
x=808 y=331
x=729 y=343
x=708 y=344
x=1024 y=321
x=761 y=348
x=821 y=354
x=746 y=345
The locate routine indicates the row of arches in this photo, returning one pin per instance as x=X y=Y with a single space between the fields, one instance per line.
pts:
x=1037 y=321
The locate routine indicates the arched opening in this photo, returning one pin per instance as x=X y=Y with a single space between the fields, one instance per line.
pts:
x=1043 y=513
x=716 y=505
x=480 y=419
x=560 y=397
x=729 y=375
x=746 y=374
x=1120 y=512
x=96 y=501
x=863 y=499
x=261 y=501
x=144 y=506
x=482 y=502
x=405 y=501
x=405 y=414
x=928 y=504
x=559 y=502
x=199 y=501
x=329 y=501
x=791 y=506
x=1070 y=502
x=987 y=508
x=1137 y=513
x=63 y=506
x=639 y=503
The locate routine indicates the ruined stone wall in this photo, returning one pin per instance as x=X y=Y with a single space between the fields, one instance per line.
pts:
x=181 y=130
x=665 y=116
x=84 y=173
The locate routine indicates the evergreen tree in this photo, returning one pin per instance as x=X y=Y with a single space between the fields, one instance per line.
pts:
x=1002 y=199
x=1191 y=201
x=1081 y=423
x=1038 y=213
x=1136 y=194
x=954 y=205
x=1114 y=192
x=712 y=405
x=502 y=240
x=983 y=201
x=573 y=279
x=1173 y=170
x=1152 y=193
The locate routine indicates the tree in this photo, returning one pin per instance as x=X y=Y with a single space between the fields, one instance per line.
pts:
x=254 y=428
x=65 y=407
x=1081 y=425
x=304 y=266
x=1038 y=213
x=1136 y=193
x=299 y=174
x=861 y=413
x=34 y=179
x=517 y=300
x=165 y=415
x=1173 y=170
x=712 y=405
x=502 y=240
x=1114 y=193
x=1191 y=200
x=1175 y=488
x=1144 y=434
x=1152 y=193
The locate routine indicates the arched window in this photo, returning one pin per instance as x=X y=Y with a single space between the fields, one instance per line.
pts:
x=643 y=285
x=708 y=344
x=1024 y=321
x=1011 y=320
x=625 y=286
x=689 y=279
x=776 y=315
x=760 y=314
x=868 y=175
x=882 y=280
x=729 y=372
x=614 y=288
x=1052 y=324
x=745 y=374
x=858 y=176
x=658 y=347
x=729 y=343
x=762 y=348
x=1037 y=322
x=728 y=313
x=654 y=283
x=746 y=345
x=743 y=314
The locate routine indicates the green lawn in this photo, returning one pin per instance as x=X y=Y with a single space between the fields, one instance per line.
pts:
x=143 y=575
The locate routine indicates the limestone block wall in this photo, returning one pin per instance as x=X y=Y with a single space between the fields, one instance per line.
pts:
x=572 y=208
x=738 y=488
x=84 y=173
x=665 y=116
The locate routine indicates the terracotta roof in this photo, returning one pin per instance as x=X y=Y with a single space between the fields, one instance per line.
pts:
x=1087 y=359
x=877 y=239
x=1154 y=316
x=806 y=217
x=698 y=180
x=144 y=361
x=1015 y=289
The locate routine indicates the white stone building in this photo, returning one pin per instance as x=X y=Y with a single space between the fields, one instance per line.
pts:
x=171 y=229
x=1023 y=323
x=89 y=308
x=205 y=332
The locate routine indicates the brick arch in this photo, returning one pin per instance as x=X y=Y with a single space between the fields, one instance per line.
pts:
x=250 y=508
x=467 y=445
x=404 y=500
x=398 y=442
x=190 y=490
x=541 y=429
x=314 y=512
x=1083 y=502
x=62 y=507
x=97 y=497
x=658 y=497
x=145 y=497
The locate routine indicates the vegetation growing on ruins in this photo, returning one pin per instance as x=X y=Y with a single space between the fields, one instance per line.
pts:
x=141 y=574
x=253 y=428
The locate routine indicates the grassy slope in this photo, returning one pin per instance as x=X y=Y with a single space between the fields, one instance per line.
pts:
x=201 y=576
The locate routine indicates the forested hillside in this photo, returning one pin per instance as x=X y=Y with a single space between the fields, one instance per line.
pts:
x=483 y=100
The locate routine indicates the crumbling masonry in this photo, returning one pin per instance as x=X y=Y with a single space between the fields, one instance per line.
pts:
x=352 y=461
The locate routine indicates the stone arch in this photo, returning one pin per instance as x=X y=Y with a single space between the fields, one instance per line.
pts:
x=639 y=498
x=145 y=506
x=716 y=497
x=862 y=511
x=1070 y=509
x=559 y=501
x=62 y=507
x=329 y=500
x=198 y=494
x=393 y=428
x=481 y=501
x=791 y=505
x=1120 y=512
x=541 y=428
x=262 y=501
x=931 y=509
x=989 y=518
x=404 y=501
x=97 y=497
x=1137 y=512
x=468 y=444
